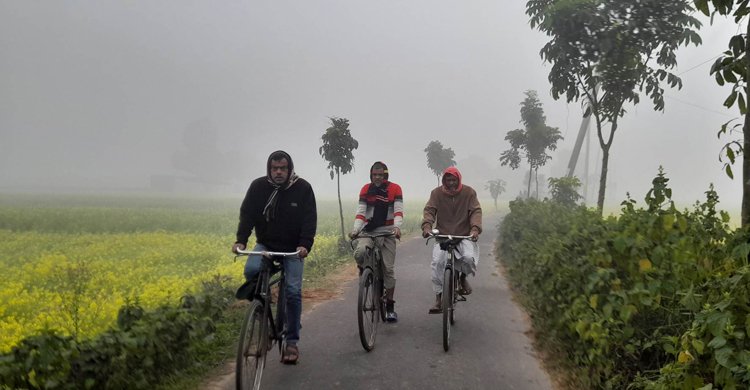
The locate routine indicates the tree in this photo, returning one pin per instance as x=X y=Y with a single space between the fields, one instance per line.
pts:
x=496 y=187
x=534 y=140
x=564 y=190
x=337 y=148
x=439 y=158
x=734 y=67
x=608 y=51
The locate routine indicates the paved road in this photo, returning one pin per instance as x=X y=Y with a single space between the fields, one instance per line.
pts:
x=489 y=349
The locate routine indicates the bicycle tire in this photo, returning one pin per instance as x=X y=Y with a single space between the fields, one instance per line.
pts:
x=380 y=297
x=251 y=352
x=281 y=320
x=454 y=297
x=447 y=307
x=367 y=309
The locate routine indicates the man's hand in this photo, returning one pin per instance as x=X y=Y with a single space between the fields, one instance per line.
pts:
x=302 y=252
x=238 y=247
x=353 y=234
x=474 y=233
x=397 y=232
x=426 y=231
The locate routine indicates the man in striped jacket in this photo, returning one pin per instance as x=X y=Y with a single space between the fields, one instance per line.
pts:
x=380 y=211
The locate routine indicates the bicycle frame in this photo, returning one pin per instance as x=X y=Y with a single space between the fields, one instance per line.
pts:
x=450 y=295
x=371 y=270
x=271 y=329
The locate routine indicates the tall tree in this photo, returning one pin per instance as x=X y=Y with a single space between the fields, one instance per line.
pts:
x=734 y=67
x=533 y=140
x=439 y=158
x=496 y=187
x=608 y=51
x=337 y=148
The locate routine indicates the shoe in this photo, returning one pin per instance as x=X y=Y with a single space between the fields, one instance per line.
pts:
x=290 y=354
x=390 y=314
x=465 y=286
x=438 y=307
x=247 y=290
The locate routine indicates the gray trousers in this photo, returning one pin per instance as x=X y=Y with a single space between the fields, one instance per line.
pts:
x=387 y=247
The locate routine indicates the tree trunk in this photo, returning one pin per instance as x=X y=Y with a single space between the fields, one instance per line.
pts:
x=528 y=188
x=746 y=151
x=536 y=178
x=603 y=179
x=438 y=179
x=341 y=209
x=495 y=204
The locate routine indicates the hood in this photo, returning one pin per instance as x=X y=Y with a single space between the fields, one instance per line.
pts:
x=454 y=172
x=385 y=169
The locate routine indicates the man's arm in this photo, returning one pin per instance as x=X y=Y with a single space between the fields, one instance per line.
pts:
x=246 y=225
x=309 y=224
x=429 y=214
x=360 y=217
x=398 y=210
x=475 y=214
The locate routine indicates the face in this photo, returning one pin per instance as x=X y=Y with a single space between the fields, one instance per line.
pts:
x=279 y=171
x=451 y=182
x=378 y=176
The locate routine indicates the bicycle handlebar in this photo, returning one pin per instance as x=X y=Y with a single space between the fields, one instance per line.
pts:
x=367 y=235
x=450 y=237
x=241 y=252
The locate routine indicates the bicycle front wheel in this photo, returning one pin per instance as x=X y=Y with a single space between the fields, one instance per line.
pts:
x=251 y=352
x=447 y=307
x=367 y=309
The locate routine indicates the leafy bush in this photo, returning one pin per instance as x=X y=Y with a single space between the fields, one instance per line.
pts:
x=565 y=190
x=626 y=297
x=143 y=347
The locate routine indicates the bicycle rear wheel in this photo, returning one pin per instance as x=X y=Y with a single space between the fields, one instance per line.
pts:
x=368 y=307
x=251 y=352
x=448 y=291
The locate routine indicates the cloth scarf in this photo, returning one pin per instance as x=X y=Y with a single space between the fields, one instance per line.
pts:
x=269 y=211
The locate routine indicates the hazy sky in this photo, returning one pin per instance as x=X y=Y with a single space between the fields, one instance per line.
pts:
x=105 y=95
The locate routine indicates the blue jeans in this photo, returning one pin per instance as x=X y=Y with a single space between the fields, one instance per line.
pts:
x=293 y=267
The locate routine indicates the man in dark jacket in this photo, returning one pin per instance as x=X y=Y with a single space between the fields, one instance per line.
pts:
x=281 y=207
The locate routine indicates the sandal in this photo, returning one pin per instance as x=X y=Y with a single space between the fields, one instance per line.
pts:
x=290 y=355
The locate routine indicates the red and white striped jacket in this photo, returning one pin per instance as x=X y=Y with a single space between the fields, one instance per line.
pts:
x=379 y=206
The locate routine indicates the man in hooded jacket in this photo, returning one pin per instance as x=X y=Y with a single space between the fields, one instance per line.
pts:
x=453 y=208
x=281 y=208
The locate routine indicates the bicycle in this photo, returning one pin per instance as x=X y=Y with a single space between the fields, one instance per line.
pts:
x=260 y=330
x=450 y=295
x=371 y=300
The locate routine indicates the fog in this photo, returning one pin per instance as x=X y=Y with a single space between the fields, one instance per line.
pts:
x=189 y=96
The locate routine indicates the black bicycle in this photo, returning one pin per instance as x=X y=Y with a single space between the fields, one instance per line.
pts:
x=371 y=300
x=451 y=286
x=261 y=329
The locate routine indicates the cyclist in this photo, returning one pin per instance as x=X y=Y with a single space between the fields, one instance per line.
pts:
x=457 y=211
x=281 y=207
x=380 y=210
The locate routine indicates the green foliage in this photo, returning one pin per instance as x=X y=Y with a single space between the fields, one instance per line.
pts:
x=534 y=140
x=608 y=52
x=144 y=346
x=564 y=190
x=337 y=147
x=657 y=298
x=439 y=158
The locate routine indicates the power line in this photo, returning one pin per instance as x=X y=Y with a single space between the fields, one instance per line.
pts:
x=700 y=107
x=702 y=63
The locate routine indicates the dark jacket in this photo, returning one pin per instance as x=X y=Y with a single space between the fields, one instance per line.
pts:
x=294 y=222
